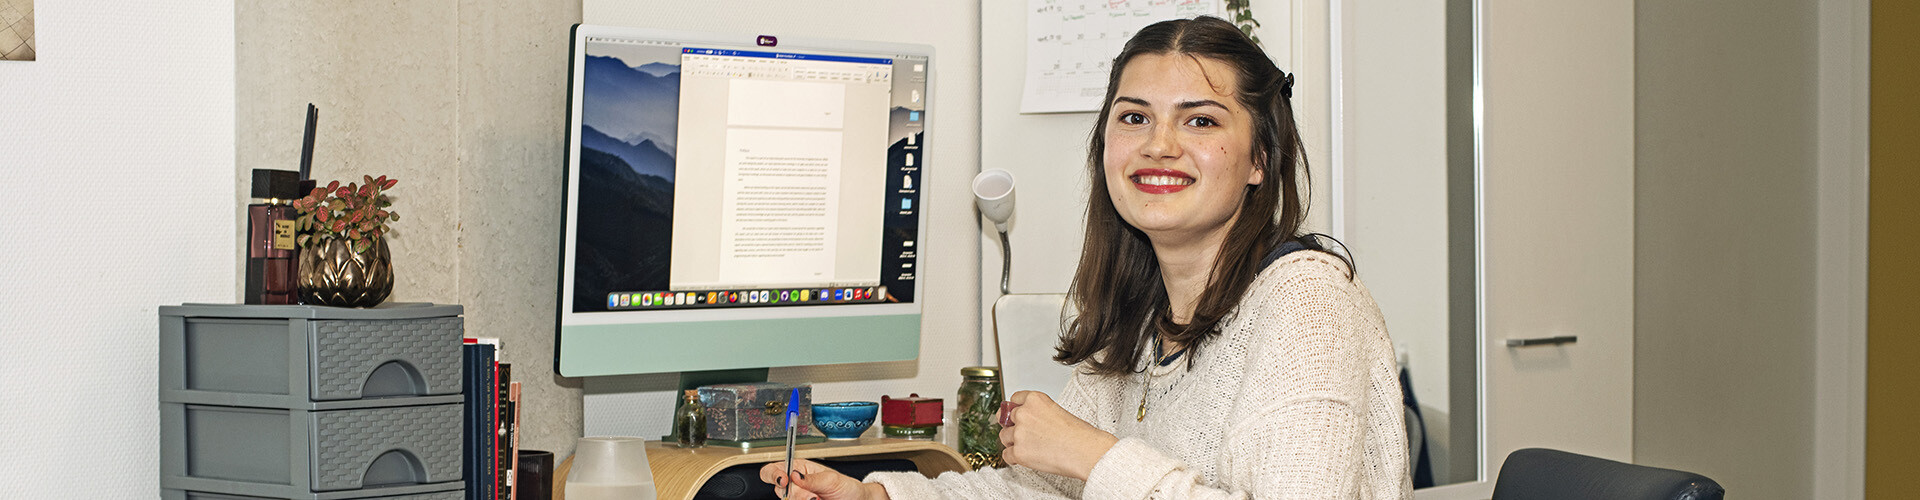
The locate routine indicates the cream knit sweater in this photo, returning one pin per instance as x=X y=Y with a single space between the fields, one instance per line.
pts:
x=1298 y=397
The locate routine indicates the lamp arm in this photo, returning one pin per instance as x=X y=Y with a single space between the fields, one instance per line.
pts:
x=1006 y=261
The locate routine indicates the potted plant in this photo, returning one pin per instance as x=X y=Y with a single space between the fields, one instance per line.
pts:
x=343 y=243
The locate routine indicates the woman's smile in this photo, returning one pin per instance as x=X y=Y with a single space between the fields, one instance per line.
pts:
x=1160 y=180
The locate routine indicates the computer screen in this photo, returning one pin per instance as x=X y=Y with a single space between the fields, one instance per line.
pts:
x=740 y=201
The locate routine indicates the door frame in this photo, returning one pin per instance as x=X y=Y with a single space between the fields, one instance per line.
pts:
x=1840 y=308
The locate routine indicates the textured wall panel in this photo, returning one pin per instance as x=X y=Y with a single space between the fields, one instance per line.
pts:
x=116 y=148
x=462 y=101
x=383 y=75
x=513 y=95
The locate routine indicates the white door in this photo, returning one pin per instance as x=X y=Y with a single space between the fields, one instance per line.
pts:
x=1557 y=212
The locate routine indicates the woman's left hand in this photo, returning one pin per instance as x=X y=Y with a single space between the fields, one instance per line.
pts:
x=1046 y=438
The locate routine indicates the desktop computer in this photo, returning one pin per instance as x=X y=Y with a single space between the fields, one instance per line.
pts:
x=740 y=201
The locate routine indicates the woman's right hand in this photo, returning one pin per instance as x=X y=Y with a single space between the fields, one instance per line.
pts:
x=814 y=481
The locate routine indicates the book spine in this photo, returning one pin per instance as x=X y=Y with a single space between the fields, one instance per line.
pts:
x=513 y=437
x=489 y=445
x=473 y=392
x=502 y=447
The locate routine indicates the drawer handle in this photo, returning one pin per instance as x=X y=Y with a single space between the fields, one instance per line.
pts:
x=1563 y=339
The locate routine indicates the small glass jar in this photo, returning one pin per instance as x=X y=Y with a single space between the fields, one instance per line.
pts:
x=690 y=421
x=979 y=408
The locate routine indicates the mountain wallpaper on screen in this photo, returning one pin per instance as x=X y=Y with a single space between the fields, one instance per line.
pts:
x=644 y=158
x=624 y=231
x=624 y=228
x=633 y=104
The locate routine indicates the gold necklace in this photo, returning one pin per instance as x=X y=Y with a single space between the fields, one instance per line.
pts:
x=1147 y=386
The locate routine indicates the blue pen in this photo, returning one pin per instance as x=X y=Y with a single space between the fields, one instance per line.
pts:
x=793 y=420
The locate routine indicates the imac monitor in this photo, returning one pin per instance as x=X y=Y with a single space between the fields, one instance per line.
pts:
x=740 y=201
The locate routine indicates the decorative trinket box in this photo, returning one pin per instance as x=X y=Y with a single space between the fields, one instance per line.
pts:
x=747 y=412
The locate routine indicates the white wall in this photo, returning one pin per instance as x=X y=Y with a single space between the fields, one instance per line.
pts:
x=1726 y=218
x=116 y=148
x=643 y=405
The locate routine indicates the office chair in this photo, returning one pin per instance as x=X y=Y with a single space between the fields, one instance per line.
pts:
x=1538 y=473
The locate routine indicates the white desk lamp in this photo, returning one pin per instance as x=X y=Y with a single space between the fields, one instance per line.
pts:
x=993 y=193
x=1033 y=319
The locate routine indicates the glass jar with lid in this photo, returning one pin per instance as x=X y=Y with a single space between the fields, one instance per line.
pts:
x=979 y=407
x=690 y=421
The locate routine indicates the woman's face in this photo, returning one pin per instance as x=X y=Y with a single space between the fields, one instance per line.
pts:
x=1179 y=147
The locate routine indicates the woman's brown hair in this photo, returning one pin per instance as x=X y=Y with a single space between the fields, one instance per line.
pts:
x=1117 y=289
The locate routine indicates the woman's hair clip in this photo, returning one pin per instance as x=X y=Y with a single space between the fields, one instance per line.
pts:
x=1286 y=85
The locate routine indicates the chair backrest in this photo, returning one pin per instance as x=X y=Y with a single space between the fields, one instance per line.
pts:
x=1538 y=473
x=1026 y=327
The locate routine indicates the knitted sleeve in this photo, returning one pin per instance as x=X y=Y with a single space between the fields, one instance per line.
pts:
x=1298 y=430
x=1013 y=482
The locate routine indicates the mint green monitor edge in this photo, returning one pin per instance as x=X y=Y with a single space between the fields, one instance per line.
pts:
x=752 y=338
x=591 y=350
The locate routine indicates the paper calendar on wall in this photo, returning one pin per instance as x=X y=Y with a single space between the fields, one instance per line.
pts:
x=1071 y=44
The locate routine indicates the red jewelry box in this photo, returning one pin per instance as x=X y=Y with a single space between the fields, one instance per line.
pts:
x=911 y=411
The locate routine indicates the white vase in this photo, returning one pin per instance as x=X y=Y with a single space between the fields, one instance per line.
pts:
x=610 y=468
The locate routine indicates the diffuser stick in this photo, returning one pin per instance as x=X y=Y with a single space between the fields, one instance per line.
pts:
x=306 y=145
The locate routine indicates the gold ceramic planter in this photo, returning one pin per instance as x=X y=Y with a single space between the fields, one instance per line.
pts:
x=332 y=274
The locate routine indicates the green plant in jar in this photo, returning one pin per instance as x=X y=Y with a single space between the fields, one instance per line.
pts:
x=979 y=408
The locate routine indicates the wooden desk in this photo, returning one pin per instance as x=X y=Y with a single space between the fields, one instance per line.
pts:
x=679 y=472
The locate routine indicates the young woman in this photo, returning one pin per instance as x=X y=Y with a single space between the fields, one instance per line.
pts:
x=1219 y=352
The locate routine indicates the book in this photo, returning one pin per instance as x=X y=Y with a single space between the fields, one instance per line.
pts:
x=513 y=437
x=501 y=457
x=479 y=367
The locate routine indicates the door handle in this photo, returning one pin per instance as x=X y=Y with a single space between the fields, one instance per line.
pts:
x=1563 y=339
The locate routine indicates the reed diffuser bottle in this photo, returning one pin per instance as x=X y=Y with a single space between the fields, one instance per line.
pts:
x=271 y=254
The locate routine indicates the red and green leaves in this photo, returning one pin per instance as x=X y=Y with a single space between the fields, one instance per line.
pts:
x=355 y=212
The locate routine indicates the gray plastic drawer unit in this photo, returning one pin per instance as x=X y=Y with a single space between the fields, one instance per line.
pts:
x=287 y=356
x=197 y=495
x=315 y=450
x=316 y=403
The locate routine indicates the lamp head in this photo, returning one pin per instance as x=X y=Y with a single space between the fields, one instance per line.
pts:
x=993 y=194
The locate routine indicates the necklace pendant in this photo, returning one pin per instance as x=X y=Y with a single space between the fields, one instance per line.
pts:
x=1142 y=417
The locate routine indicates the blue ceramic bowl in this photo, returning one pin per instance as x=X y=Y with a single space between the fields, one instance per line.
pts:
x=844 y=420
